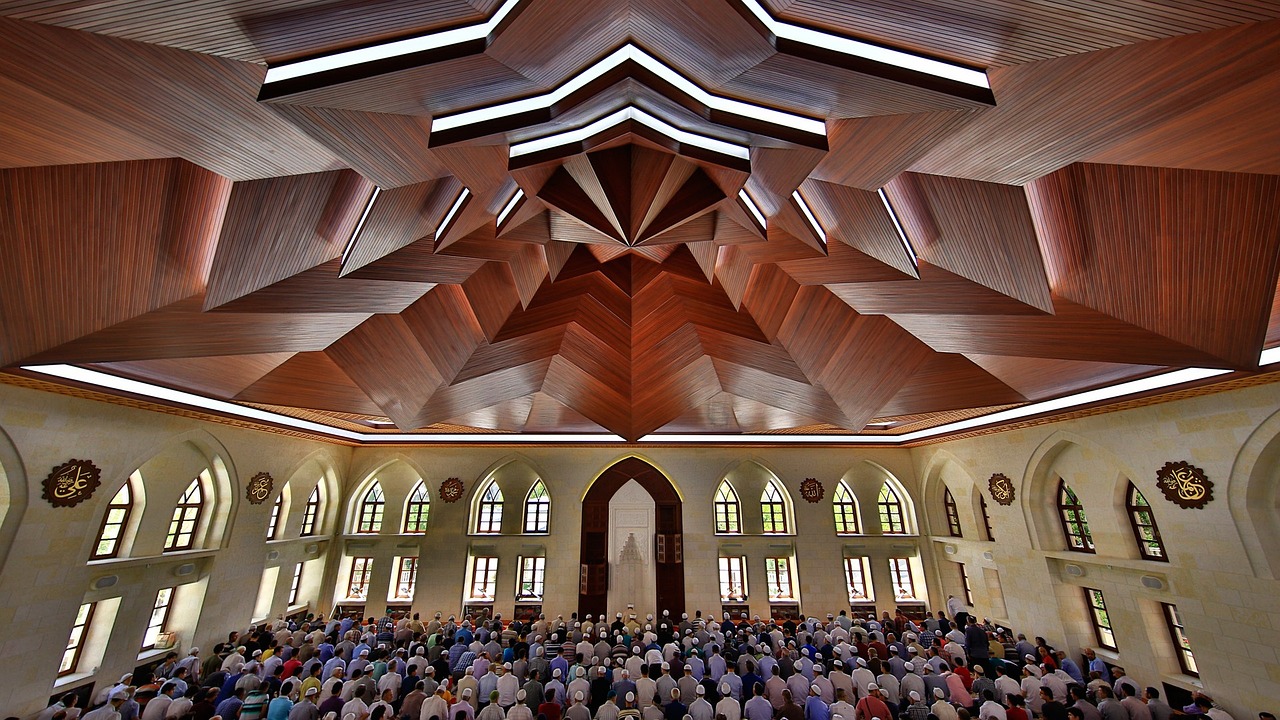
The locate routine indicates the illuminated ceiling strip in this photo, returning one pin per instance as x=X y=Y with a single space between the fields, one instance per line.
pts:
x=1269 y=356
x=876 y=53
x=448 y=217
x=752 y=206
x=383 y=51
x=897 y=225
x=355 y=234
x=650 y=63
x=617 y=118
x=511 y=205
x=808 y=214
x=135 y=387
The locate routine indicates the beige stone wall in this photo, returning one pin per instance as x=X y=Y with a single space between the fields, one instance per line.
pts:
x=1221 y=576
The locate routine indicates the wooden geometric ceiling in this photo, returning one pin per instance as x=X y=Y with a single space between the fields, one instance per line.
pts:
x=1110 y=208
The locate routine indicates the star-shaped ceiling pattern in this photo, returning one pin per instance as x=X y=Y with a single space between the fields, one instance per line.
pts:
x=638 y=216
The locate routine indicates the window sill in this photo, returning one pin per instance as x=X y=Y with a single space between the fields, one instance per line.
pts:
x=133 y=560
x=71 y=679
x=155 y=653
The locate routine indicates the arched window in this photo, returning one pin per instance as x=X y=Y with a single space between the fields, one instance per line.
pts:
x=1074 y=524
x=311 y=513
x=1144 y=525
x=728 y=517
x=371 y=508
x=415 y=511
x=489 y=519
x=114 y=524
x=772 y=510
x=273 y=525
x=953 y=514
x=845 y=506
x=537 y=509
x=186 y=518
x=986 y=517
x=890 y=508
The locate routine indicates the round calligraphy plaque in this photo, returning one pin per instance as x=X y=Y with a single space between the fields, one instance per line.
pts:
x=1185 y=485
x=259 y=488
x=1001 y=488
x=451 y=490
x=71 y=483
x=811 y=490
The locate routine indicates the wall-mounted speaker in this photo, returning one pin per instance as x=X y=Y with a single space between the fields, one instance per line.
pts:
x=987 y=555
x=105 y=582
x=312 y=549
x=949 y=549
x=184 y=569
x=273 y=555
x=1074 y=570
x=1152 y=582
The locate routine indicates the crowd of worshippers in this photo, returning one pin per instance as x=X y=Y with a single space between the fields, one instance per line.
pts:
x=846 y=668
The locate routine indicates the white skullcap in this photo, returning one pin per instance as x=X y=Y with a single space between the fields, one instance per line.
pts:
x=666 y=666
x=471 y=670
x=872 y=686
x=466 y=692
x=675 y=692
x=937 y=692
x=578 y=696
x=631 y=697
x=725 y=689
x=910 y=667
x=913 y=695
x=521 y=695
x=700 y=690
x=555 y=673
x=815 y=689
x=862 y=663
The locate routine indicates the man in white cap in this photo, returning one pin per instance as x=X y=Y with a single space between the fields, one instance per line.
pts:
x=578 y=710
x=1031 y=688
x=557 y=684
x=628 y=711
x=916 y=708
x=435 y=706
x=646 y=688
x=814 y=707
x=192 y=663
x=305 y=708
x=911 y=682
x=508 y=685
x=520 y=711
x=862 y=677
x=700 y=709
x=111 y=710
x=579 y=684
x=941 y=708
x=728 y=707
x=465 y=707
x=468 y=682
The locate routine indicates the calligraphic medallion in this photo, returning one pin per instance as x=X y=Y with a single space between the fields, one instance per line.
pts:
x=71 y=483
x=451 y=490
x=259 y=488
x=811 y=490
x=1185 y=485
x=1001 y=488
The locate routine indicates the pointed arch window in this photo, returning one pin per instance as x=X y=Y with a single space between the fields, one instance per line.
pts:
x=1074 y=524
x=953 y=514
x=728 y=515
x=371 y=508
x=986 y=516
x=537 y=509
x=415 y=510
x=1144 y=525
x=489 y=519
x=890 y=508
x=114 y=523
x=273 y=525
x=773 y=510
x=311 y=513
x=186 y=518
x=845 y=506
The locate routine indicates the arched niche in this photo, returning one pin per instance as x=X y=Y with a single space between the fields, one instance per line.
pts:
x=314 y=471
x=514 y=476
x=1253 y=495
x=397 y=476
x=593 y=544
x=749 y=479
x=1097 y=477
x=13 y=494
x=865 y=479
x=945 y=473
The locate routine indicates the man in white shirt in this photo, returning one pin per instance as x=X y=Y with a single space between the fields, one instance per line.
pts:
x=700 y=709
x=991 y=710
x=728 y=706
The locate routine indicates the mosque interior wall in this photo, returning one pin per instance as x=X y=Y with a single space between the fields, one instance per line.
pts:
x=1220 y=573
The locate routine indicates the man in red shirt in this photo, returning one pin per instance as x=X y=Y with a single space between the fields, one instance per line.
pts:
x=872 y=707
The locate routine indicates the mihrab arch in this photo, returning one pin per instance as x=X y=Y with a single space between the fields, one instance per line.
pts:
x=593 y=581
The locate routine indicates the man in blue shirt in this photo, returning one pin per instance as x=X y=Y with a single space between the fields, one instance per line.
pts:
x=815 y=708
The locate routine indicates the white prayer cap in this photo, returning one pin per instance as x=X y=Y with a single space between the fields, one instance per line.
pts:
x=862 y=663
x=666 y=666
x=619 y=616
x=838 y=663
x=578 y=696
x=815 y=689
x=506 y=666
x=256 y=653
x=910 y=667
x=635 y=650
x=581 y=671
x=872 y=686
x=120 y=694
x=466 y=692
x=937 y=692
x=913 y=695
x=725 y=689
x=912 y=651
x=675 y=692
x=701 y=690
x=312 y=691
x=1029 y=658
x=194 y=651
x=521 y=695
x=471 y=670
x=818 y=668
x=631 y=697
x=555 y=673
x=362 y=652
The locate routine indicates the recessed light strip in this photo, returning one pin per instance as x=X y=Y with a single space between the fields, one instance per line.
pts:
x=396 y=48
x=511 y=205
x=614 y=59
x=867 y=51
x=618 y=117
x=448 y=217
x=752 y=206
x=355 y=234
x=808 y=214
x=897 y=225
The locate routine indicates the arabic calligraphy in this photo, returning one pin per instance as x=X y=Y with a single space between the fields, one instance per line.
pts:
x=259 y=488
x=1001 y=488
x=1185 y=485
x=71 y=483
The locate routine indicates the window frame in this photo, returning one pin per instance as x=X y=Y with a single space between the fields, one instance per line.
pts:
x=1100 y=618
x=844 y=508
x=863 y=566
x=727 y=510
x=728 y=565
x=180 y=518
x=373 y=509
x=76 y=643
x=311 y=517
x=986 y=517
x=487 y=564
x=122 y=524
x=295 y=584
x=953 y=514
x=361 y=567
x=532 y=572
x=899 y=570
x=779 y=575
x=164 y=618
x=417 y=510
x=773 y=510
x=1133 y=508
x=1181 y=643
x=407 y=564
x=489 y=511
x=964 y=583
x=538 y=510
x=888 y=509
x=273 y=523
x=1069 y=504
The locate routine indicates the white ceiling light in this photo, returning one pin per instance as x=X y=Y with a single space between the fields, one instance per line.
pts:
x=897 y=225
x=511 y=205
x=630 y=112
x=752 y=206
x=808 y=215
x=355 y=234
x=448 y=217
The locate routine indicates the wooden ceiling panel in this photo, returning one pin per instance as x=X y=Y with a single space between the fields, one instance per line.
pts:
x=769 y=297
x=497 y=388
x=548 y=415
x=981 y=231
x=322 y=290
x=1188 y=254
x=1009 y=32
x=310 y=380
x=446 y=326
x=715 y=415
x=401 y=216
x=276 y=228
x=935 y=292
x=492 y=294
x=390 y=150
x=89 y=246
x=867 y=152
x=949 y=382
x=789 y=396
x=508 y=416
x=1043 y=378
x=384 y=358
x=859 y=219
x=220 y=376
